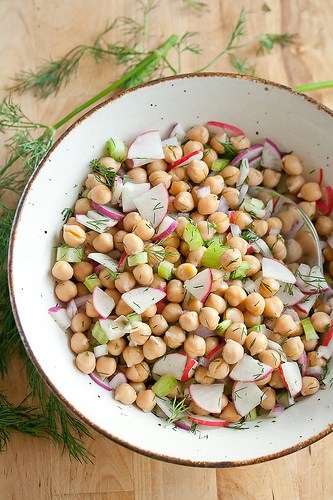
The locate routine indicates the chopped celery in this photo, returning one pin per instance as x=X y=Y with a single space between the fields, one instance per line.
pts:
x=310 y=332
x=69 y=254
x=91 y=281
x=192 y=236
x=165 y=270
x=257 y=328
x=84 y=193
x=99 y=334
x=223 y=327
x=133 y=317
x=251 y=206
x=117 y=149
x=220 y=164
x=240 y=272
x=139 y=258
x=252 y=415
x=283 y=398
x=211 y=257
x=164 y=385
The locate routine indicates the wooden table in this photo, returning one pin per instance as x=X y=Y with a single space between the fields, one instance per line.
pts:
x=33 y=30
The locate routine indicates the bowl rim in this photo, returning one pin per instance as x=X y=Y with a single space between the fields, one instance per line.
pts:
x=15 y=228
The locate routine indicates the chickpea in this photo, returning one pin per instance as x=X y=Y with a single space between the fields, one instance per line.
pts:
x=90 y=310
x=269 y=401
x=294 y=251
x=235 y=295
x=138 y=175
x=81 y=290
x=220 y=220
x=172 y=153
x=93 y=180
x=198 y=133
x=100 y=194
x=218 y=369
x=194 y=345
x=156 y=254
x=138 y=373
x=146 y=400
x=125 y=394
x=82 y=206
x=314 y=360
x=174 y=337
x=255 y=177
x=293 y=347
x=79 y=343
x=277 y=246
x=240 y=142
x=143 y=274
x=234 y=314
x=103 y=243
x=182 y=223
x=232 y=196
x=217 y=143
x=309 y=345
x=73 y=235
x=86 y=362
x=268 y=287
x=206 y=230
x=130 y=221
x=172 y=312
x=150 y=312
x=271 y=178
x=66 y=290
x=209 y=156
x=230 y=414
x=240 y=243
x=175 y=291
x=193 y=408
x=155 y=347
x=118 y=240
x=140 y=333
x=273 y=307
x=183 y=202
x=294 y=183
x=231 y=259
x=116 y=347
x=178 y=187
x=276 y=381
x=105 y=366
x=230 y=175
x=309 y=207
x=195 y=256
x=178 y=174
x=186 y=271
x=62 y=270
x=111 y=163
x=216 y=184
x=192 y=146
x=251 y=319
x=254 y=264
x=211 y=344
x=256 y=342
x=232 y=352
x=132 y=244
x=125 y=282
x=270 y=357
x=189 y=321
x=193 y=305
x=216 y=302
x=133 y=355
x=219 y=286
x=324 y=225
x=160 y=178
x=202 y=376
x=260 y=227
x=291 y=165
x=158 y=324
x=80 y=322
x=255 y=303
x=157 y=166
x=209 y=318
x=138 y=386
x=310 y=385
x=320 y=321
x=111 y=292
x=285 y=325
x=328 y=254
x=310 y=191
x=236 y=332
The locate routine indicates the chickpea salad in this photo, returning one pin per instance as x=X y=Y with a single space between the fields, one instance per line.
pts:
x=186 y=293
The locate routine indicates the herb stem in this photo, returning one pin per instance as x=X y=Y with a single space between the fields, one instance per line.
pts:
x=314 y=86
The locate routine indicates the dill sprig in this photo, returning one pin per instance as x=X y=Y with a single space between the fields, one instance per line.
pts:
x=196 y=5
x=177 y=409
x=101 y=171
x=268 y=41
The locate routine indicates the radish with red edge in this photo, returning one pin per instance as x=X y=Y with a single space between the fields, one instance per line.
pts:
x=201 y=285
x=249 y=154
x=102 y=302
x=153 y=205
x=71 y=308
x=307 y=303
x=98 y=223
x=167 y=226
x=216 y=352
x=189 y=370
x=311 y=282
x=171 y=141
x=115 y=328
x=178 y=131
x=217 y=128
x=185 y=160
x=291 y=376
x=122 y=260
x=271 y=156
x=104 y=260
x=249 y=369
x=325 y=204
x=289 y=294
x=140 y=299
x=60 y=316
x=166 y=405
x=325 y=350
x=131 y=191
x=272 y=268
x=116 y=380
x=207 y=420
x=207 y=397
x=255 y=162
x=246 y=396
x=147 y=146
x=171 y=364
x=108 y=211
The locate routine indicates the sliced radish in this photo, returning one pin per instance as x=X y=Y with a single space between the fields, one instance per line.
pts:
x=243 y=172
x=117 y=190
x=166 y=404
x=171 y=364
x=255 y=162
x=122 y=260
x=289 y=294
x=115 y=328
x=82 y=300
x=98 y=223
x=185 y=160
x=102 y=302
x=207 y=397
x=139 y=162
x=303 y=362
x=140 y=299
x=223 y=128
x=271 y=156
x=216 y=352
x=117 y=379
x=60 y=316
x=146 y=146
x=291 y=377
x=307 y=303
x=189 y=370
x=201 y=285
x=325 y=350
x=108 y=211
x=171 y=141
x=272 y=268
x=249 y=369
x=207 y=420
x=71 y=309
x=246 y=396
x=167 y=226
x=249 y=153
x=178 y=131
x=325 y=204
x=223 y=205
x=130 y=192
x=153 y=205
x=311 y=281
x=104 y=260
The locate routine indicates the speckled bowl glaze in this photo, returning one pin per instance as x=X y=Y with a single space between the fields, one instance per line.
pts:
x=262 y=109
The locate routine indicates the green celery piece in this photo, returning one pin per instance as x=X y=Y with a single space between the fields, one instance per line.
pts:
x=84 y=193
x=91 y=281
x=164 y=385
x=220 y=164
x=310 y=332
x=240 y=272
x=211 y=257
x=192 y=236
x=69 y=254
x=257 y=328
x=251 y=416
x=117 y=149
x=139 y=258
x=99 y=334
x=223 y=327
x=165 y=270
x=133 y=317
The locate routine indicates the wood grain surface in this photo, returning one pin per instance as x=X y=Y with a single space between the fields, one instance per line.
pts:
x=32 y=30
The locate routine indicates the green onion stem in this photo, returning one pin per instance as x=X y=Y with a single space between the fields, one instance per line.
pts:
x=314 y=86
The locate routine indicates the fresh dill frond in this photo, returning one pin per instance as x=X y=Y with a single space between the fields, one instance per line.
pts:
x=242 y=66
x=229 y=151
x=66 y=214
x=177 y=409
x=196 y=5
x=100 y=170
x=268 y=41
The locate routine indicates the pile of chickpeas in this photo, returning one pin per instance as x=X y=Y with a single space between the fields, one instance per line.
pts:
x=173 y=327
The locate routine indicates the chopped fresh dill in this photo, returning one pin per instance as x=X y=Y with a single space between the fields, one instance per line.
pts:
x=196 y=5
x=177 y=409
x=66 y=214
x=101 y=171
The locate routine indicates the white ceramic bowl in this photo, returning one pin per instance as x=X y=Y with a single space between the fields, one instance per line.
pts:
x=263 y=109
